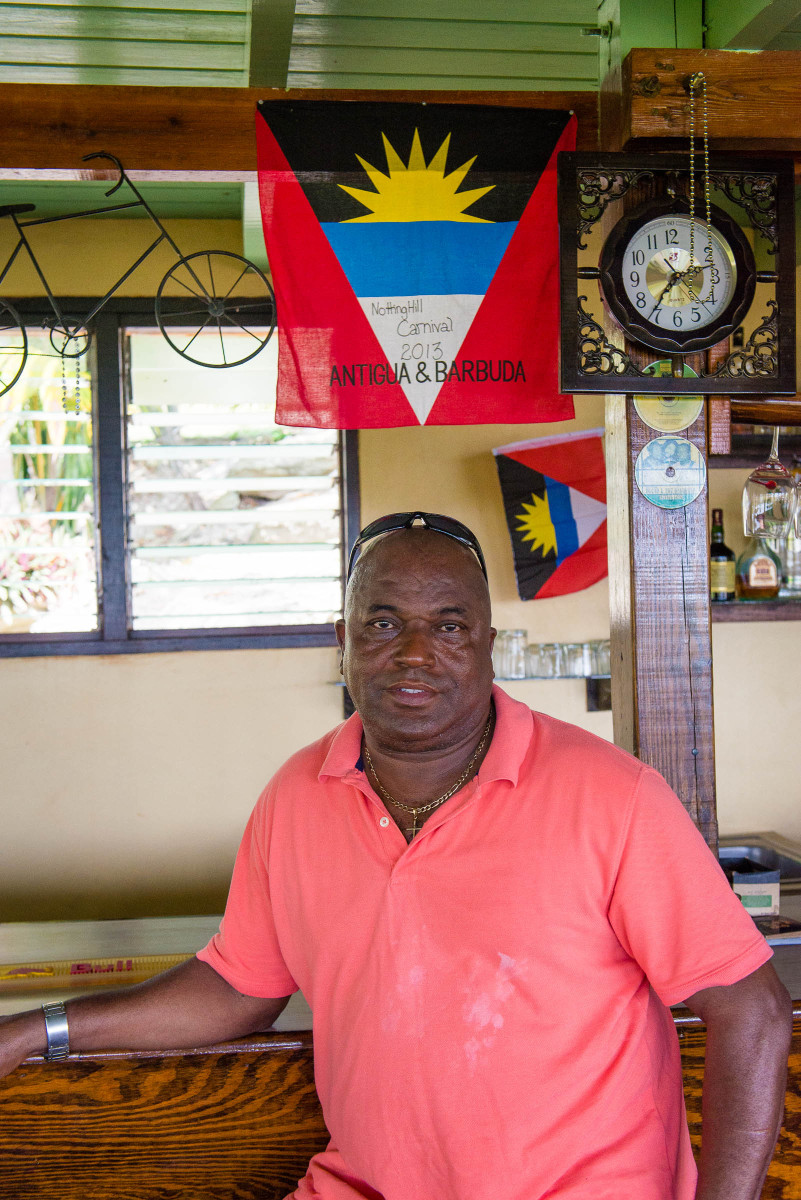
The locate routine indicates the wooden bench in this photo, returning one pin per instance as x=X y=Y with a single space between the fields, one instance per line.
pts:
x=232 y=1122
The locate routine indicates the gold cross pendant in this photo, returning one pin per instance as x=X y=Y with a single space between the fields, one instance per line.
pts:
x=411 y=833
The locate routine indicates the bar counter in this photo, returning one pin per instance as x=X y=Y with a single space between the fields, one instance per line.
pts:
x=237 y=1120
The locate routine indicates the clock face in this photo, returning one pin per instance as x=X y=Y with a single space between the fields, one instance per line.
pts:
x=671 y=290
x=666 y=297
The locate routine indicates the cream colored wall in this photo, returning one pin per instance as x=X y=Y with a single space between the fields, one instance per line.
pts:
x=451 y=469
x=127 y=779
x=85 y=257
x=757 y=703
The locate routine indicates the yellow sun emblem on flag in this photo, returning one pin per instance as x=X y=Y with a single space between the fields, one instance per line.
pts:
x=416 y=192
x=536 y=525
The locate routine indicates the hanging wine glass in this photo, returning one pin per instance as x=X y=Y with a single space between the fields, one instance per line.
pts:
x=769 y=497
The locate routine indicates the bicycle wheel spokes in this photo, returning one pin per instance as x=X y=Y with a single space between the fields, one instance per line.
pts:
x=222 y=341
x=13 y=347
x=196 y=334
x=198 y=289
x=237 y=281
x=230 y=323
x=238 y=325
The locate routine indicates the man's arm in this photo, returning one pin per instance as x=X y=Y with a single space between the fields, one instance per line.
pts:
x=189 y=1005
x=749 y=1026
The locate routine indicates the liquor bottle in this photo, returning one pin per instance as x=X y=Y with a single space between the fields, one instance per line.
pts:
x=759 y=572
x=721 y=561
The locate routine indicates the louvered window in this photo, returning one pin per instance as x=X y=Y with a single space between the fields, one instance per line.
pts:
x=232 y=520
x=47 y=495
x=211 y=525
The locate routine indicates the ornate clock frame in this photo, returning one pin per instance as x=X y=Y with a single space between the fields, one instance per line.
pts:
x=597 y=190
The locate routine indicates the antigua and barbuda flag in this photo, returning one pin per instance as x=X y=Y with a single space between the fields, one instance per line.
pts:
x=414 y=255
x=554 y=494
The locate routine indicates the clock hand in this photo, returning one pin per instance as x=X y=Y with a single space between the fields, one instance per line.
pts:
x=669 y=283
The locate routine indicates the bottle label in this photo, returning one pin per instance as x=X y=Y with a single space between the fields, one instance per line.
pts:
x=762 y=572
x=721 y=578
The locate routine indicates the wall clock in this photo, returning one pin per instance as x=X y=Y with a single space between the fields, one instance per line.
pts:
x=656 y=299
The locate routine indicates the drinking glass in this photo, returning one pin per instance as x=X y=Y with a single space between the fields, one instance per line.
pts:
x=551 y=659
x=500 y=652
x=601 y=657
x=533 y=664
x=516 y=654
x=769 y=497
x=573 y=659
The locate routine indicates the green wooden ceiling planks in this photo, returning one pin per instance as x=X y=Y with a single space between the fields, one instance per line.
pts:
x=464 y=44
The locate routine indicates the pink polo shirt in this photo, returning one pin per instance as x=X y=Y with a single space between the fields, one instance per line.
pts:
x=489 y=1001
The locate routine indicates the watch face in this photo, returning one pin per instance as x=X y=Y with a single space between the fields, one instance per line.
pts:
x=675 y=284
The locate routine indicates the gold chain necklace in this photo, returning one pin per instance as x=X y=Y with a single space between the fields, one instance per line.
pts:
x=424 y=808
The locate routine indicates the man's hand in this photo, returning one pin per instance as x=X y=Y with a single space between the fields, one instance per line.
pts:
x=749 y=1027
x=187 y=1006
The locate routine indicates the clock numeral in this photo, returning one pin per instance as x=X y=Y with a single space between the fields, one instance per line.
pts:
x=695 y=313
x=638 y=257
x=678 y=320
x=671 y=237
x=641 y=300
x=635 y=278
x=652 y=243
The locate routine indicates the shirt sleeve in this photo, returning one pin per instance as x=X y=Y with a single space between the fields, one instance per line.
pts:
x=246 y=950
x=672 y=907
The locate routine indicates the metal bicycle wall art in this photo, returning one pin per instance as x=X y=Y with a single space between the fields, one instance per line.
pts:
x=224 y=294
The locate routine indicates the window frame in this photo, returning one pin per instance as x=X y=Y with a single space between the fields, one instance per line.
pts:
x=113 y=635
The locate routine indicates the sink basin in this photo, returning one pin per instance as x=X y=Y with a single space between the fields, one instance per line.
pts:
x=749 y=853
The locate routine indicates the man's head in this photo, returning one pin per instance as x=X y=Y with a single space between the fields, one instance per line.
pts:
x=417 y=639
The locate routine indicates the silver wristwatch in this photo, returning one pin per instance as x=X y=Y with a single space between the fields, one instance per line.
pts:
x=58 y=1034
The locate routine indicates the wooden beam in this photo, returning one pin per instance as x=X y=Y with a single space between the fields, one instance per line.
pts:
x=754 y=100
x=193 y=130
x=271 y=24
x=767 y=412
x=660 y=622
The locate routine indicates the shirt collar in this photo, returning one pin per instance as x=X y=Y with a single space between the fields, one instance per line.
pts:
x=514 y=725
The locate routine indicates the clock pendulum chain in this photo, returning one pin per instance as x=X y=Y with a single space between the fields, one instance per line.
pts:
x=696 y=80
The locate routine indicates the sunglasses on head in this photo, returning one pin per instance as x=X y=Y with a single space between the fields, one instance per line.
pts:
x=446 y=525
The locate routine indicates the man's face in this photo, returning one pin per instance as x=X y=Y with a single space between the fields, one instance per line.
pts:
x=417 y=641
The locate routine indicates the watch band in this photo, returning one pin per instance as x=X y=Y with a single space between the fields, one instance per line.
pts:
x=58 y=1033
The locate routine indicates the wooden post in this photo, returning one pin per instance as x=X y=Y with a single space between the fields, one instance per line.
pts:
x=719 y=424
x=660 y=622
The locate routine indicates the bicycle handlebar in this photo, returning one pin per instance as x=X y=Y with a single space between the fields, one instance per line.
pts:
x=112 y=158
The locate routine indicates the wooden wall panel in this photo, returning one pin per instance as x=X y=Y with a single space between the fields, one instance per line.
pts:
x=231 y=1122
x=239 y=1122
x=660 y=623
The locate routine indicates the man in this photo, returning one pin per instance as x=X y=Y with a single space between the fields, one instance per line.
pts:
x=487 y=911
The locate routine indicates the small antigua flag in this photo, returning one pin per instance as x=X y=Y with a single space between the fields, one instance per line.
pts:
x=414 y=254
x=554 y=494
